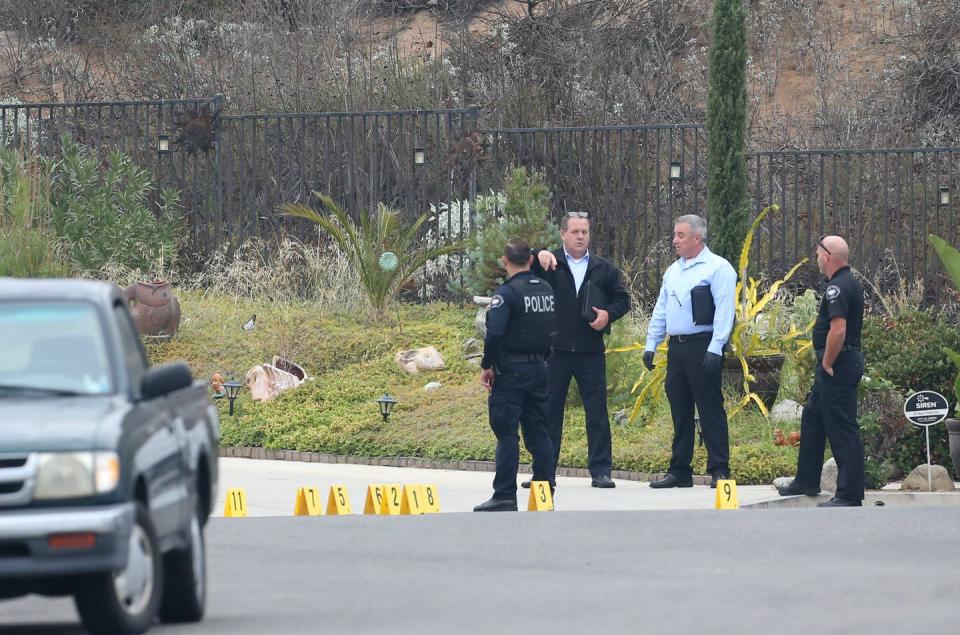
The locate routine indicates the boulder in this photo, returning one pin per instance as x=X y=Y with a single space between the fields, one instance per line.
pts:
x=916 y=481
x=828 y=477
x=418 y=359
x=786 y=411
x=433 y=385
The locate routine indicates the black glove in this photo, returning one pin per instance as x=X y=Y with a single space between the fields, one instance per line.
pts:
x=712 y=363
x=648 y=359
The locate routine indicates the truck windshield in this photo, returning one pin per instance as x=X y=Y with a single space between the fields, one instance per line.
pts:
x=52 y=348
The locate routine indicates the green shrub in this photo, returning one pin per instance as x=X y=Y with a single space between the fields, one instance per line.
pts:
x=102 y=212
x=880 y=411
x=27 y=247
x=907 y=350
x=525 y=214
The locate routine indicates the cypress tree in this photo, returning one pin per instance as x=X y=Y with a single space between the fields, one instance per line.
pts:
x=727 y=199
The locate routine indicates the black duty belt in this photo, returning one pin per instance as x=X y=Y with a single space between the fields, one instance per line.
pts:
x=515 y=358
x=846 y=349
x=679 y=339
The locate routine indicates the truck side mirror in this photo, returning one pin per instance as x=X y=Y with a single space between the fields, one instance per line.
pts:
x=165 y=379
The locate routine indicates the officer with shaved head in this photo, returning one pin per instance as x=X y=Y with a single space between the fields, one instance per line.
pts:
x=831 y=408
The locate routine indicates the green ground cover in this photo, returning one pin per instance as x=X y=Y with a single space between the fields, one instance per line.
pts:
x=351 y=360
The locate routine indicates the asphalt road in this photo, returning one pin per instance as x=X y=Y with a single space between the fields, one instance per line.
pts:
x=869 y=570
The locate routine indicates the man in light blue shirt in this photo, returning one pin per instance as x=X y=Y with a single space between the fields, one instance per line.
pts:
x=577 y=267
x=695 y=310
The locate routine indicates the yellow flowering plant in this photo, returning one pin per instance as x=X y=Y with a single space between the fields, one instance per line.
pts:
x=761 y=328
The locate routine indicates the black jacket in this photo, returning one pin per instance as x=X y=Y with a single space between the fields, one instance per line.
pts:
x=573 y=332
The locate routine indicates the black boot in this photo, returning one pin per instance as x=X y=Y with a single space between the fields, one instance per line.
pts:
x=497 y=505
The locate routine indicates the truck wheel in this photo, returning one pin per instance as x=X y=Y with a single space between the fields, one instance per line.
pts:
x=185 y=576
x=126 y=601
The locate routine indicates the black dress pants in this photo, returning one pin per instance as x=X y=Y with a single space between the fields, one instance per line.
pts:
x=590 y=371
x=518 y=400
x=689 y=384
x=831 y=414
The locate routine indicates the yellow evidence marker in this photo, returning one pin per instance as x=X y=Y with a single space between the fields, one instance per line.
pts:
x=431 y=499
x=727 y=495
x=541 y=498
x=374 y=499
x=338 y=502
x=236 y=504
x=308 y=502
x=411 y=500
x=390 y=506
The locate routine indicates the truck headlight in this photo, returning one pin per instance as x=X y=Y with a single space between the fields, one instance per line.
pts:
x=73 y=474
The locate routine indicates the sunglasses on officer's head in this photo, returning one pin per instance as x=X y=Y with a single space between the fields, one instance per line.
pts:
x=820 y=245
x=578 y=214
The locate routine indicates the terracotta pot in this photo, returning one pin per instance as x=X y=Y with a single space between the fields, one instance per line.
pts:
x=766 y=371
x=953 y=429
x=154 y=308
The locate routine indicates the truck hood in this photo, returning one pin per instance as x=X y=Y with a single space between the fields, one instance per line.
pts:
x=55 y=424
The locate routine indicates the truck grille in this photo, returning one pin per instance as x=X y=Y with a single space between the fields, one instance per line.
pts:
x=16 y=479
x=14 y=550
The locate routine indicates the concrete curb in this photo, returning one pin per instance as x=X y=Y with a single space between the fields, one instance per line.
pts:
x=883 y=498
x=426 y=464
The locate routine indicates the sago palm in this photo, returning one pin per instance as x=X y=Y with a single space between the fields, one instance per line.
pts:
x=365 y=243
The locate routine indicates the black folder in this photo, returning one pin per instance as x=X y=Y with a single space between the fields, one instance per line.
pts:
x=701 y=301
x=593 y=296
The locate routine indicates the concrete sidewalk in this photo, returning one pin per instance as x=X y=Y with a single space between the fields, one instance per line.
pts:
x=271 y=488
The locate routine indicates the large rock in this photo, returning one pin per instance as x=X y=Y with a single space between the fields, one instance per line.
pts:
x=916 y=481
x=786 y=411
x=828 y=476
x=418 y=359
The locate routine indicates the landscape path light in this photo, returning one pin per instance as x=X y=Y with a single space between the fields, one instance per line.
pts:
x=386 y=403
x=233 y=390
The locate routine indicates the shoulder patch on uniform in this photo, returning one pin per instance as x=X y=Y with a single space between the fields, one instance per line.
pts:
x=832 y=292
x=535 y=280
x=496 y=301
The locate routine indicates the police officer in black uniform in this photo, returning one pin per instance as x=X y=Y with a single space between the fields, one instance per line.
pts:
x=831 y=408
x=520 y=327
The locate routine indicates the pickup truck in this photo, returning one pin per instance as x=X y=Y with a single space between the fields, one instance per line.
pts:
x=108 y=466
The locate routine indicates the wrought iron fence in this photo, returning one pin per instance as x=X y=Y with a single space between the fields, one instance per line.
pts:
x=397 y=158
x=634 y=179
x=884 y=202
x=132 y=127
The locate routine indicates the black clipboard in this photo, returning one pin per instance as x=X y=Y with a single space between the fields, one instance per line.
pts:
x=702 y=305
x=593 y=296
